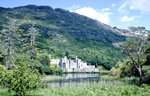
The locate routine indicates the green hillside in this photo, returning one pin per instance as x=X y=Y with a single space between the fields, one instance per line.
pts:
x=65 y=33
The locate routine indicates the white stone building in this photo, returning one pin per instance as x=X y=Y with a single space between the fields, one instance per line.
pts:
x=55 y=61
x=76 y=65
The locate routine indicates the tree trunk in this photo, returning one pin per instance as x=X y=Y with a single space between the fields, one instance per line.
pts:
x=8 y=56
x=7 y=63
x=31 y=48
x=141 y=77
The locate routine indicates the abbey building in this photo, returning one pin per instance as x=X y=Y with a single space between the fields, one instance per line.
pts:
x=76 y=65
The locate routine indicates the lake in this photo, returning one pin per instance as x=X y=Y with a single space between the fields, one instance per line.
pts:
x=81 y=79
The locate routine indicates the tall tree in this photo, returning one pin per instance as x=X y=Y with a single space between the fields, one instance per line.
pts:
x=9 y=38
x=135 y=48
x=29 y=40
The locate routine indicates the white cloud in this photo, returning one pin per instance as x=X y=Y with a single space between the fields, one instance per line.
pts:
x=105 y=9
x=73 y=7
x=142 y=5
x=126 y=18
x=94 y=14
x=113 y=5
x=122 y=7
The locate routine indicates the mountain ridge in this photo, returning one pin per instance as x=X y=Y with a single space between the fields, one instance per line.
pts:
x=67 y=32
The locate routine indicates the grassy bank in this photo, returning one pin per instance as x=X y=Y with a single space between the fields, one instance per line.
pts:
x=128 y=90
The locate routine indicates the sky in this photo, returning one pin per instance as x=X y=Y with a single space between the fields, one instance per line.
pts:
x=116 y=13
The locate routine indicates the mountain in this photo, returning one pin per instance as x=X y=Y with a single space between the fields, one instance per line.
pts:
x=66 y=33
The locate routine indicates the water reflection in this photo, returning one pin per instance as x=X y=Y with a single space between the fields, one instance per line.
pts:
x=82 y=79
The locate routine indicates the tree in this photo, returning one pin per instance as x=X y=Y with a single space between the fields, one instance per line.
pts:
x=135 y=49
x=9 y=38
x=33 y=33
x=29 y=40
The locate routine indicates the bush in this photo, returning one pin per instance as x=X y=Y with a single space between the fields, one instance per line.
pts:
x=26 y=60
x=43 y=58
x=101 y=68
x=146 y=71
x=21 y=80
x=46 y=70
x=2 y=71
x=53 y=69
x=2 y=68
x=124 y=69
x=114 y=71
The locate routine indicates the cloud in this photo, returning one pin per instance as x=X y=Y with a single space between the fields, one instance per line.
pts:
x=127 y=19
x=113 y=5
x=73 y=7
x=101 y=16
x=141 y=5
x=122 y=7
x=105 y=9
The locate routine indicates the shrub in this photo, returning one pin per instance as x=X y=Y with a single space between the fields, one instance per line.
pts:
x=56 y=70
x=43 y=58
x=114 y=71
x=146 y=71
x=2 y=71
x=53 y=69
x=26 y=60
x=2 y=68
x=101 y=68
x=21 y=80
x=46 y=70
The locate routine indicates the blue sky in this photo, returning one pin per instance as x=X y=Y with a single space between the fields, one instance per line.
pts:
x=116 y=13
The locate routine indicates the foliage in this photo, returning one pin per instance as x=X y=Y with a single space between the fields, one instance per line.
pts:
x=9 y=39
x=146 y=71
x=2 y=68
x=124 y=69
x=53 y=69
x=43 y=58
x=2 y=71
x=101 y=68
x=56 y=70
x=25 y=59
x=135 y=49
x=21 y=80
x=127 y=90
x=46 y=70
x=128 y=69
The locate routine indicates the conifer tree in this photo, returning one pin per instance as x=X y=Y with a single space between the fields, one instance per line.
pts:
x=29 y=40
x=9 y=39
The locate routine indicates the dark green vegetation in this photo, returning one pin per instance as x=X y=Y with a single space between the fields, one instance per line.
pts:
x=137 y=62
x=20 y=80
x=89 y=91
x=65 y=33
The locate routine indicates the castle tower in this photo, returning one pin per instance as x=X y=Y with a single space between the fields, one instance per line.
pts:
x=77 y=62
x=61 y=63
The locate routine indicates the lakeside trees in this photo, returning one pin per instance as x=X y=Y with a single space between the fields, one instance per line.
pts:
x=135 y=49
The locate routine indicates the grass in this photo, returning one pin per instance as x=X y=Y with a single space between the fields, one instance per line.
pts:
x=107 y=87
x=104 y=72
x=127 y=90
